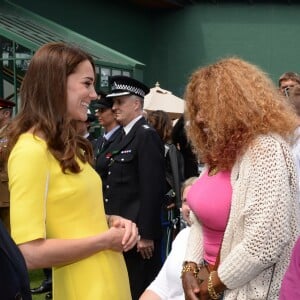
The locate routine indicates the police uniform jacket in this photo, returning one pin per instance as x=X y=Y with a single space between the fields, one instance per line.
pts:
x=133 y=175
x=101 y=147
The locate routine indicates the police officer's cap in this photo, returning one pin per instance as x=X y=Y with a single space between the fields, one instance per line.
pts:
x=102 y=103
x=123 y=85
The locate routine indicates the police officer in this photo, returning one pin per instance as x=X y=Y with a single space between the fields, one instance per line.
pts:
x=6 y=110
x=134 y=179
x=111 y=128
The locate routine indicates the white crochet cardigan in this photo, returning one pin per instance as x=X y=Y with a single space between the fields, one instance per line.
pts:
x=263 y=225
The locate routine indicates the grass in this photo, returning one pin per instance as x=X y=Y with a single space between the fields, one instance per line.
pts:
x=36 y=277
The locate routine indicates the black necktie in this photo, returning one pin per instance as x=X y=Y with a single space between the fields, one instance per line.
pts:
x=123 y=134
x=104 y=142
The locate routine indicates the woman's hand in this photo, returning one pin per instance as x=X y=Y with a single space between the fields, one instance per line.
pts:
x=130 y=236
x=114 y=239
x=194 y=290
x=190 y=286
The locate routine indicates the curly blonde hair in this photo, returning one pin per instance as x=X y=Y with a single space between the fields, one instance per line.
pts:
x=230 y=103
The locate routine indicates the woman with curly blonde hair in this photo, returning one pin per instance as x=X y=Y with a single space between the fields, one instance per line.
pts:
x=244 y=205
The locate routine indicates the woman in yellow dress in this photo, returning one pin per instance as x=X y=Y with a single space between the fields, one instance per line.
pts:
x=57 y=214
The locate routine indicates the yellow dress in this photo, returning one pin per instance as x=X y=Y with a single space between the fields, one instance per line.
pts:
x=70 y=208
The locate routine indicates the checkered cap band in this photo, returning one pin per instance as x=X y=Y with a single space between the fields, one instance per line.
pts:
x=129 y=88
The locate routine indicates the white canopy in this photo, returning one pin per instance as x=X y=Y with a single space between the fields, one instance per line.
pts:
x=159 y=99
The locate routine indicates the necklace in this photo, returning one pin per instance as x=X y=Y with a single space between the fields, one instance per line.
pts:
x=213 y=171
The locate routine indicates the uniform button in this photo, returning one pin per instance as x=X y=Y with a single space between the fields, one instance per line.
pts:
x=122 y=159
x=106 y=200
x=109 y=172
x=107 y=186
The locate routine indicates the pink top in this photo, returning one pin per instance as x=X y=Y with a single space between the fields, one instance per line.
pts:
x=290 y=283
x=210 y=200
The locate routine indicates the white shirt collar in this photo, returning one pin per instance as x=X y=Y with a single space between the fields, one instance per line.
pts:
x=128 y=127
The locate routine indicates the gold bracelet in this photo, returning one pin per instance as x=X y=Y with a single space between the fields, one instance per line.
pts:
x=189 y=266
x=210 y=287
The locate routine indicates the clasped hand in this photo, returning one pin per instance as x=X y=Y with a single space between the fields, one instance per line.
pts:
x=129 y=231
x=192 y=289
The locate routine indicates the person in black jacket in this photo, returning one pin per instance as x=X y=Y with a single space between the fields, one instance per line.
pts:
x=182 y=143
x=14 y=280
x=174 y=165
x=134 y=180
x=111 y=129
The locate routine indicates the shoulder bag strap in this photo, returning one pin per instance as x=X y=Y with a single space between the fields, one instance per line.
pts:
x=175 y=172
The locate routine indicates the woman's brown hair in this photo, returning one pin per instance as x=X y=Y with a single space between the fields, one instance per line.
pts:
x=44 y=104
x=161 y=121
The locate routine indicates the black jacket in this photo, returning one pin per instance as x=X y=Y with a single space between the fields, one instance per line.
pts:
x=14 y=281
x=102 y=145
x=190 y=160
x=133 y=175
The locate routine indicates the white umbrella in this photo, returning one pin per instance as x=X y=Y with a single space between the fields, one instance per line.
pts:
x=159 y=99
